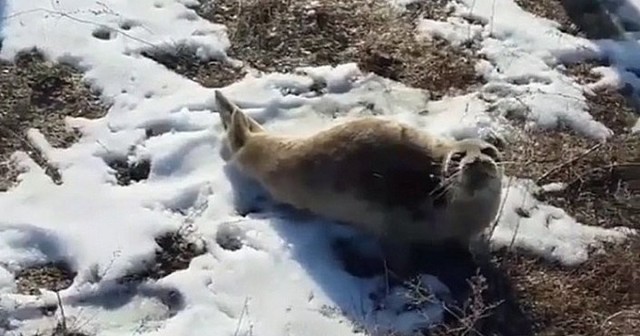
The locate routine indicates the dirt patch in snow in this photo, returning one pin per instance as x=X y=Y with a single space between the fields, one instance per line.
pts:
x=174 y=253
x=281 y=35
x=51 y=276
x=597 y=298
x=609 y=106
x=35 y=93
x=602 y=189
x=585 y=18
x=208 y=73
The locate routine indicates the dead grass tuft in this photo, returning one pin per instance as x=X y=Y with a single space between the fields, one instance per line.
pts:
x=281 y=35
x=608 y=106
x=599 y=298
x=51 y=276
x=603 y=189
x=127 y=172
x=60 y=330
x=482 y=299
x=35 y=93
x=470 y=318
x=174 y=253
x=585 y=18
x=552 y=10
x=434 y=65
x=582 y=72
x=603 y=180
x=209 y=73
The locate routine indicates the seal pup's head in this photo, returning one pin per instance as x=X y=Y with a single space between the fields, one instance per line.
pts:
x=472 y=187
x=470 y=167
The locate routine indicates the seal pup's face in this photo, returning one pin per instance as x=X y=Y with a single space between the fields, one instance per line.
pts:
x=472 y=165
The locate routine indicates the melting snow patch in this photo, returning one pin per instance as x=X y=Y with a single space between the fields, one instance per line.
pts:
x=524 y=54
x=545 y=230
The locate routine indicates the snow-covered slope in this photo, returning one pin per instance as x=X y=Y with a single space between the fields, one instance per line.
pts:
x=285 y=279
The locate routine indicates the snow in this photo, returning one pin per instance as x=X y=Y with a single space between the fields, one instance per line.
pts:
x=546 y=230
x=285 y=280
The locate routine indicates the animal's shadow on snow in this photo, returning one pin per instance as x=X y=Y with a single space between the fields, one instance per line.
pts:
x=354 y=255
x=39 y=241
x=112 y=295
x=3 y=13
x=604 y=21
x=109 y=295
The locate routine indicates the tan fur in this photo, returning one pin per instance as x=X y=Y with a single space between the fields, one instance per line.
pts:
x=378 y=175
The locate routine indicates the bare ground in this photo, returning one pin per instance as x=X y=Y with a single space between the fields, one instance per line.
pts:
x=174 y=253
x=601 y=296
x=38 y=94
x=52 y=276
x=209 y=73
x=603 y=189
x=585 y=18
x=281 y=35
x=35 y=93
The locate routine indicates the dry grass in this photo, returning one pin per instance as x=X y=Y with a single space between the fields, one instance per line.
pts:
x=583 y=301
x=52 y=276
x=483 y=300
x=586 y=18
x=61 y=330
x=174 y=253
x=38 y=94
x=477 y=315
x=431 y=65
x=209 y=73
x=598 y=298
x=281 y=35
x=127 y=172
x=581 y=72
x=608 y=106
x=602 y=179
x=603 y=189
x=553 y=10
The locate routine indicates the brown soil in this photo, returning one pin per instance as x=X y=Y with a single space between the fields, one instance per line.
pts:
x=52 y=276
x=35 y=93
x=586 y=18
x=603 y=189
x=281 y=35
x=209 y=73
x=174 y=253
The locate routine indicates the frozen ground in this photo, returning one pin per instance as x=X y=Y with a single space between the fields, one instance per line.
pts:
x=285 y=279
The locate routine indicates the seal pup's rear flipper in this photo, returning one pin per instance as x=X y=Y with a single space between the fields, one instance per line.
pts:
x=238 y=125
x=227 y=109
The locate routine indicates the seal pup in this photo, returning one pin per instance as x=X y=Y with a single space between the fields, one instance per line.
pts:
x=380 y=176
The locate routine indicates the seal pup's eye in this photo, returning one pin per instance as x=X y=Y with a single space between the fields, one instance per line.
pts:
x=457 y=156
x=490 y=152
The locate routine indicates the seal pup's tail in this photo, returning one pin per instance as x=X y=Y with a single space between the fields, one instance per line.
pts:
x=238 y=125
